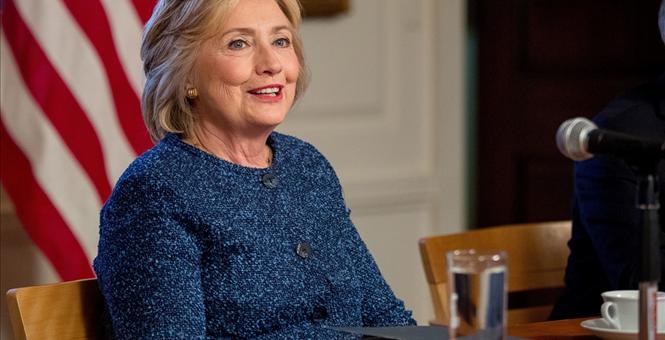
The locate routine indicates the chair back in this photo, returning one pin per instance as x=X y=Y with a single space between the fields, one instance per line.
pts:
x=537 y=257
x=68 y=310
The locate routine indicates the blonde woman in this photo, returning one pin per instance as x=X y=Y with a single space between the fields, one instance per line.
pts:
x=227 y=229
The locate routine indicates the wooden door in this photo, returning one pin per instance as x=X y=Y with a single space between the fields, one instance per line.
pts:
x=539 y=63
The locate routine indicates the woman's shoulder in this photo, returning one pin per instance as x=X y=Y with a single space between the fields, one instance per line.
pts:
x=292 y=143
x=166 y=156
x=153 y=170
x=295 y=149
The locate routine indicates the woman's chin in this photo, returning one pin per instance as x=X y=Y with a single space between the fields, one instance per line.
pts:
x=269 y=120
x=266 y=125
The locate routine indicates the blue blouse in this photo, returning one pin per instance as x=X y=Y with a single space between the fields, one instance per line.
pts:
x=194 y=247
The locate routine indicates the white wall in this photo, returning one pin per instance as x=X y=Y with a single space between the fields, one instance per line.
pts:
x=386 y=106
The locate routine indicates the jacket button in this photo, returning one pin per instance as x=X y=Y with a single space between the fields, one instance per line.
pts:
x=303 y=250
x=319 y=314
x=270 y=180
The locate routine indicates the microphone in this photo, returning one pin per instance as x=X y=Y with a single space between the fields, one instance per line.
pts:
x=580 y=139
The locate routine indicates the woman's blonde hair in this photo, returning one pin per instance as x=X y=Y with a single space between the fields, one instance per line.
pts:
x=171 y=39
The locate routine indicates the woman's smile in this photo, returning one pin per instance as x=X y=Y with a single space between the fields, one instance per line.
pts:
x=269 y=93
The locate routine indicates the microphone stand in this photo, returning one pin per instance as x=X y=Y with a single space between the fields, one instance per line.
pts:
x=648 y=204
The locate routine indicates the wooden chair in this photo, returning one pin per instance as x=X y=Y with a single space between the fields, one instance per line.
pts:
x=537 y=256
x=68 y=310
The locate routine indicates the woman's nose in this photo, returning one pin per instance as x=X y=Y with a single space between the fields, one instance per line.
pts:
x=267 y=61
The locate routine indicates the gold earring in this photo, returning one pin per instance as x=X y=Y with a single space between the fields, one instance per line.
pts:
x=192 y=93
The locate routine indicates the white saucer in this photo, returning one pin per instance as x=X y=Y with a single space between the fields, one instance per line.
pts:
x=602 y=329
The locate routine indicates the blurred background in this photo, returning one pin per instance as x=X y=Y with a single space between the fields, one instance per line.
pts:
x=438 y=115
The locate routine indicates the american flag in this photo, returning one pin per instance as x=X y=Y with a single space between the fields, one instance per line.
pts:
x=70 y=119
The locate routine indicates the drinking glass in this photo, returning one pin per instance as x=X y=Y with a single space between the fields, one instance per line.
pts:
x=477 y=291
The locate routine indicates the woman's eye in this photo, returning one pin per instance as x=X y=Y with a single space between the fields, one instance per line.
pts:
x=237 y=44
x=282 y=42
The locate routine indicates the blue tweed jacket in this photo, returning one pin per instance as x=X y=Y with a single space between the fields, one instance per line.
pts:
x=195 y=247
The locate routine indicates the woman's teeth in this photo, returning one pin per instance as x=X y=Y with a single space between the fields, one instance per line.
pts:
x=272 y=91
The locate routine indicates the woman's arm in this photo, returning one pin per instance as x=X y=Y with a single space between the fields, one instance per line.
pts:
x=148 y=265
x=380 y=305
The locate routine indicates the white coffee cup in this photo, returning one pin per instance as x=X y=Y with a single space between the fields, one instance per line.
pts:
x=621 y=309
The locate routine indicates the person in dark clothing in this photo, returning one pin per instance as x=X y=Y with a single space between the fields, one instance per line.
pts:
x=605 y=242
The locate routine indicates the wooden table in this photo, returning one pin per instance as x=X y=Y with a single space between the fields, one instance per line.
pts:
x=560 y=329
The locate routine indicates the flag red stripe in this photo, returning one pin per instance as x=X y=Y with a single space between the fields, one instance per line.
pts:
x=92 y=19
x=55 y=99
x=39 y=217
x=144 y=8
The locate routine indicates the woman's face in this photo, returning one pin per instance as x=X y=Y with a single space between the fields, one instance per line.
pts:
x=246 y=74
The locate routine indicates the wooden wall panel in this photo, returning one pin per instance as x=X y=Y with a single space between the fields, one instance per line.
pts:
x=539 y=63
